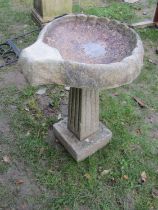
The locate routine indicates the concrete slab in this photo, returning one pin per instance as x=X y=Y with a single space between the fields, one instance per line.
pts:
x=131 y=1
x=80 y=150
x=143 y=24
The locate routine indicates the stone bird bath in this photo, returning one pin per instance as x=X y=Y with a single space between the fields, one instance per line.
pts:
x=86 y=53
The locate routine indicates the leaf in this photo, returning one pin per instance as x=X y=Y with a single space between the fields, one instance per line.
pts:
x=87 y=176
x=28 y=133
x=42 y=150
x=67 y=88
x=153 y=62
x=105 y=172
x=19 y=181
x=115 y=94
x=138 y=131
x=125 y=177
x=41 y=91
x=113 y=181
x=140 y=102
x=6 y=159
x=155 y=193
x=59 y=116
x=26 y=109
x=143 y=177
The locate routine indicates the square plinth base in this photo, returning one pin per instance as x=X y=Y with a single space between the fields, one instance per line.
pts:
x=81 y=149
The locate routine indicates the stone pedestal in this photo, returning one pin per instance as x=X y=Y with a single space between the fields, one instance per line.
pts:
x=82 y=134
x=83 y=113
x=45 y=10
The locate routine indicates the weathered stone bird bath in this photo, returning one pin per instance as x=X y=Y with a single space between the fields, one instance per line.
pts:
x=86 y=53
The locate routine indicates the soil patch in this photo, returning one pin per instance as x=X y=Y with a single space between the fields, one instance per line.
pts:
x=152 y=118
x=12 y=78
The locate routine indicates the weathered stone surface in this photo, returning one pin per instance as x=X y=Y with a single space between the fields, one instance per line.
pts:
x=80 y=150
x=91 y=41
x=83 y=117
x=43 y=64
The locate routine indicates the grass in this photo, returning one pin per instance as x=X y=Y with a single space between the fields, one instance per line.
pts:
x=69 y=185
x=149 y=34
x=118 y=11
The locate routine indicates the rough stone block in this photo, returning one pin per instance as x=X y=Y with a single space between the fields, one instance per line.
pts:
x=143 y=24
x=80 y=150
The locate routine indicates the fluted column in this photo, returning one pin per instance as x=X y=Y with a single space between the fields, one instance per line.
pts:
x=83 y=113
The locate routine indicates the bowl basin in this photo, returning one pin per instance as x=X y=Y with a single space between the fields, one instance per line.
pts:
x=89 y=42
x=84 y=52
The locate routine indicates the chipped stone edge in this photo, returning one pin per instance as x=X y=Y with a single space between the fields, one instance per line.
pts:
x=42 y=64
